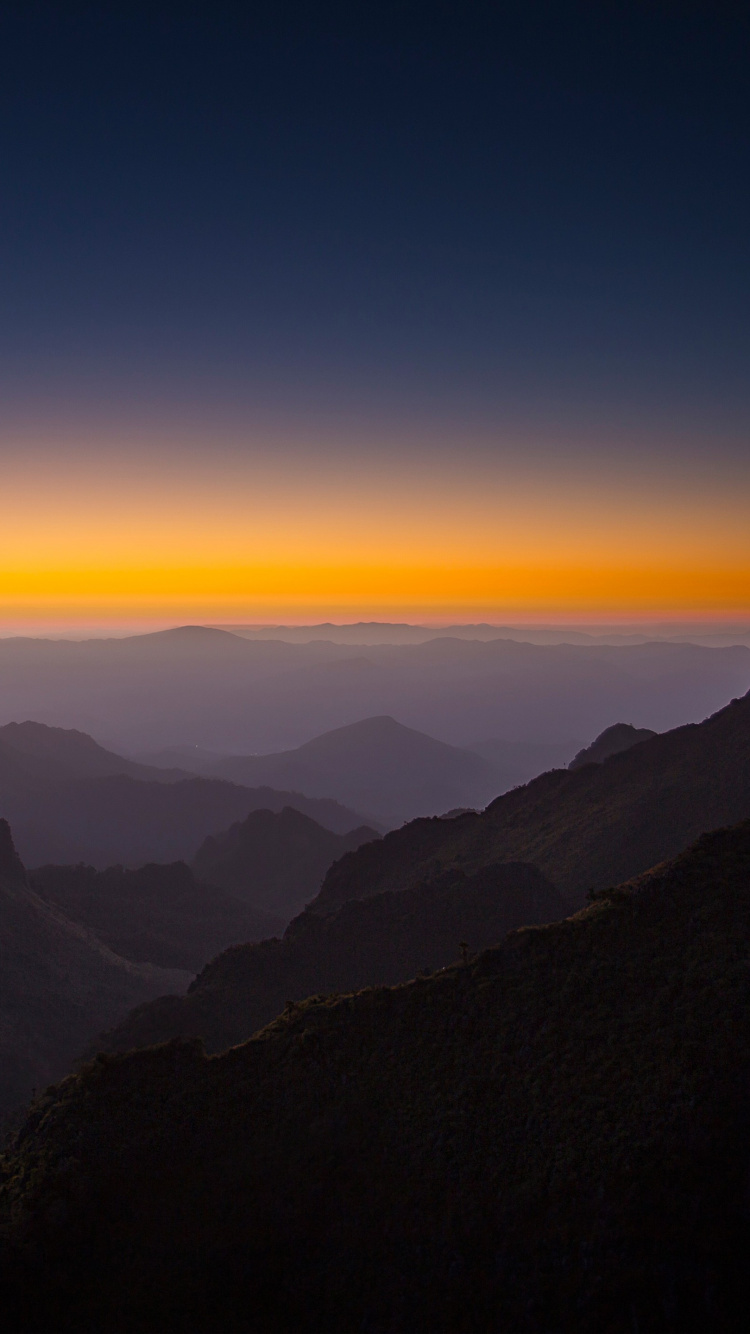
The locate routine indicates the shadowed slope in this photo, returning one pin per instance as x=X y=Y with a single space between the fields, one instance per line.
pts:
x=157 y=914
x=587 y=828
x=58 y=985
x=552 y=1138
x=620 y=736
x=275 y=861
x=383 y=939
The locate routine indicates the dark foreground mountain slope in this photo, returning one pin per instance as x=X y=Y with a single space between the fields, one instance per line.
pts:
x=385 y=939
x=58 y=985
x=552 y=1138
x=620 y=736
x=156 y=914
x=275 y=860
x=591 y=827
x=377 y=766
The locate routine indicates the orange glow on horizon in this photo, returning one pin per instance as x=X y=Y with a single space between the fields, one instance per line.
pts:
x=167 y=536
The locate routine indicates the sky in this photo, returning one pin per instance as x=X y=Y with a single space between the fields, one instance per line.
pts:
x=373 y=311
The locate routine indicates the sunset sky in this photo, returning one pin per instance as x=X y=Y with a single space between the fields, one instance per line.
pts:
x=373 y=311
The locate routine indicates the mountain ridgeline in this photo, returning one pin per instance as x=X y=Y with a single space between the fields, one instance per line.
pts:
x=551 y=1136
x=621 y=736
x=274 y=861
x=584 y=829
x=587 y=828
x=213 y=690
x=384 y=939
x=377 y=765
x=69 y=800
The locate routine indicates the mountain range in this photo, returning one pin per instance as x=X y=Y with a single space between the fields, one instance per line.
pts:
x=376 y=765
x=586 y=828
x=583 y=829
x=70 y=800
x=549 y=1136
x=208 y=688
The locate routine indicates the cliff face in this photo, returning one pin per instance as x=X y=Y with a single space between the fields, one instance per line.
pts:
x=551 y=1137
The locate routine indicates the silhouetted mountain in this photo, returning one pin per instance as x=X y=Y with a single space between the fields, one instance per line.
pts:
x=213 y=690
x=376 y=766
x=58 y=985
x=383 y=939
x=52 y=754
x=621 y=736
x=157 y=914
x=551 y=1138
x=275 y=861
x=69 y=800
x=588 y=828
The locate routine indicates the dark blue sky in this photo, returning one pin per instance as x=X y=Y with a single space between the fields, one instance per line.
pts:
x=535 y=212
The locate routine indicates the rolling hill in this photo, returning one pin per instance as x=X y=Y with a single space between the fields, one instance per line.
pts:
x=550 y=1137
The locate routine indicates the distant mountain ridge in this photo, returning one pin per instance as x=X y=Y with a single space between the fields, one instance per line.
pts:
x=70 y=800
x=377 y=765
x=64 y=753
x=217 y=691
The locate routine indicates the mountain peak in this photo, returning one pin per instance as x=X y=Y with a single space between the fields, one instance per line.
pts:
x=613 y=740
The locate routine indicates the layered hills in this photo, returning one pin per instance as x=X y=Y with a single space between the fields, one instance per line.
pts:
x=551 y=1136
x=158 y=914
x=587 y=828
x=69 y=800
x=384 y=939
x=274 y=861
x=377 y=766
x=583 y=829
x=206 y=688
x=59 y=984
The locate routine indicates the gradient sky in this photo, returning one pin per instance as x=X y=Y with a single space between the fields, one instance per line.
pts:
x=368 y=310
